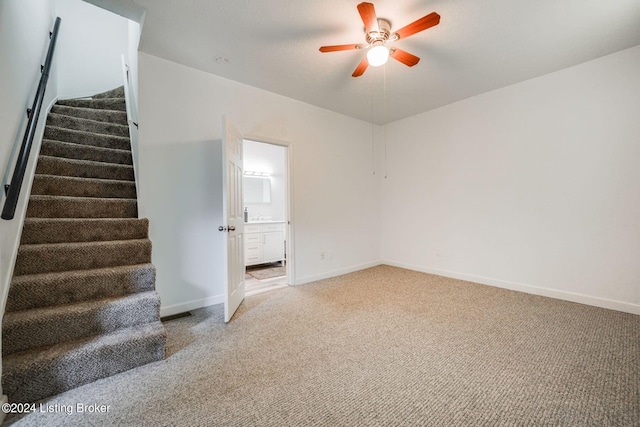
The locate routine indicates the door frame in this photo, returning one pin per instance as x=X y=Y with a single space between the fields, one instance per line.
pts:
x=289 y=220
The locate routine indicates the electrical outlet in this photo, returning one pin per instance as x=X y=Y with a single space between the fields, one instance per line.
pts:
x=439 y=253
x=322 y=255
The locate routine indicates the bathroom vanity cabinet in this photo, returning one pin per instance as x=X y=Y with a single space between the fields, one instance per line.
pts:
x=263 y=242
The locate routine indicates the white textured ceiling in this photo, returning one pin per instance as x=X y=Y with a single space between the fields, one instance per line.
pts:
x=479 y=45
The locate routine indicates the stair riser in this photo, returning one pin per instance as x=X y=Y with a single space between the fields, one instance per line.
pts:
x=39 y=291
x=44 y=378
x=79 y=230
x=81 y=208
x=85 y=125
x=68 y=323
x=107 y=116
x=36 y=259
x=103 y=104
x=82 y=187
x=83 y=169
x=85 y=152
x=86 y=138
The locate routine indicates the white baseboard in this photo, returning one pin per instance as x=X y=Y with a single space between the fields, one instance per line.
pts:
x=334 y=273
x=529 y=289
x=521 y=287
x=219 y=299
x=191 y=305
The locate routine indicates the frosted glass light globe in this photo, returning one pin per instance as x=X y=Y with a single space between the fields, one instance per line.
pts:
x=378 y=55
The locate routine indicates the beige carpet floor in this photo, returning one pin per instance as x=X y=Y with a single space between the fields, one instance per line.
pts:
x=383 y=346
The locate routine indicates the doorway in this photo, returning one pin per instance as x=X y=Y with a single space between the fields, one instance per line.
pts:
x=266 y=230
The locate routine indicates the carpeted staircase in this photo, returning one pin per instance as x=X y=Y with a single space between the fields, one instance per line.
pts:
x=82 y=303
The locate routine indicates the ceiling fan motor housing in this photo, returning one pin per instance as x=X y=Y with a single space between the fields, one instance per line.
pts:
x=382 y=35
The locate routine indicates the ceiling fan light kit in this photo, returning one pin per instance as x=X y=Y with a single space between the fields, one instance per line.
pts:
x=378 y=33
x=378 y=55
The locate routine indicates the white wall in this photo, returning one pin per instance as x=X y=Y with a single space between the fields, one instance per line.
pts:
x=24 y=40
x=131 y=89
x=534 y=186
x=91 y=43
x=134 y=32
x=260 y=157
x=335 y=196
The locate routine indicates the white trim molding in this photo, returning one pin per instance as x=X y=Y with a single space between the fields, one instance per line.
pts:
x=529 y=289
x=191 y=305
x=334 y=273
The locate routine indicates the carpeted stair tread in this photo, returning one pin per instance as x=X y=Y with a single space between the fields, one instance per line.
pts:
x=81 y=207
x=103 y=104
x=82 y=303
x=68 y=287
x=87 y=125
x=69 y=150
x=86 y=138
x=65 y=230
x=113 y=93
x=106 y=116
x=33 y=375
x=53 y=185
x=52 y=257
x=38 y=327
x=49 y=165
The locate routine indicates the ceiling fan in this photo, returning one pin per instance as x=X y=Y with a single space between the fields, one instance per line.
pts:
x=378 y=33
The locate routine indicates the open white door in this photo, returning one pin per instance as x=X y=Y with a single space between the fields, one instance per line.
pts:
x=233 y=220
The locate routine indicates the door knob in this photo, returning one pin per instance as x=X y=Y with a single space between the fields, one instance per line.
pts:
x=221 y=228
x=232 y=228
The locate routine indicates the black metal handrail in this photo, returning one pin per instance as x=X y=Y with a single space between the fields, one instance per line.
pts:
x=13 y=194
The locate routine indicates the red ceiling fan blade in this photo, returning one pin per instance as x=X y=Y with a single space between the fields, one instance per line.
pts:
x=339 y=47
x=421 y=24
x=368 y=15
x=403 y=56
x=361 y=68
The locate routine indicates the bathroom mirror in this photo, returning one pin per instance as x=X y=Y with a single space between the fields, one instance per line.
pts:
x=256 y=189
